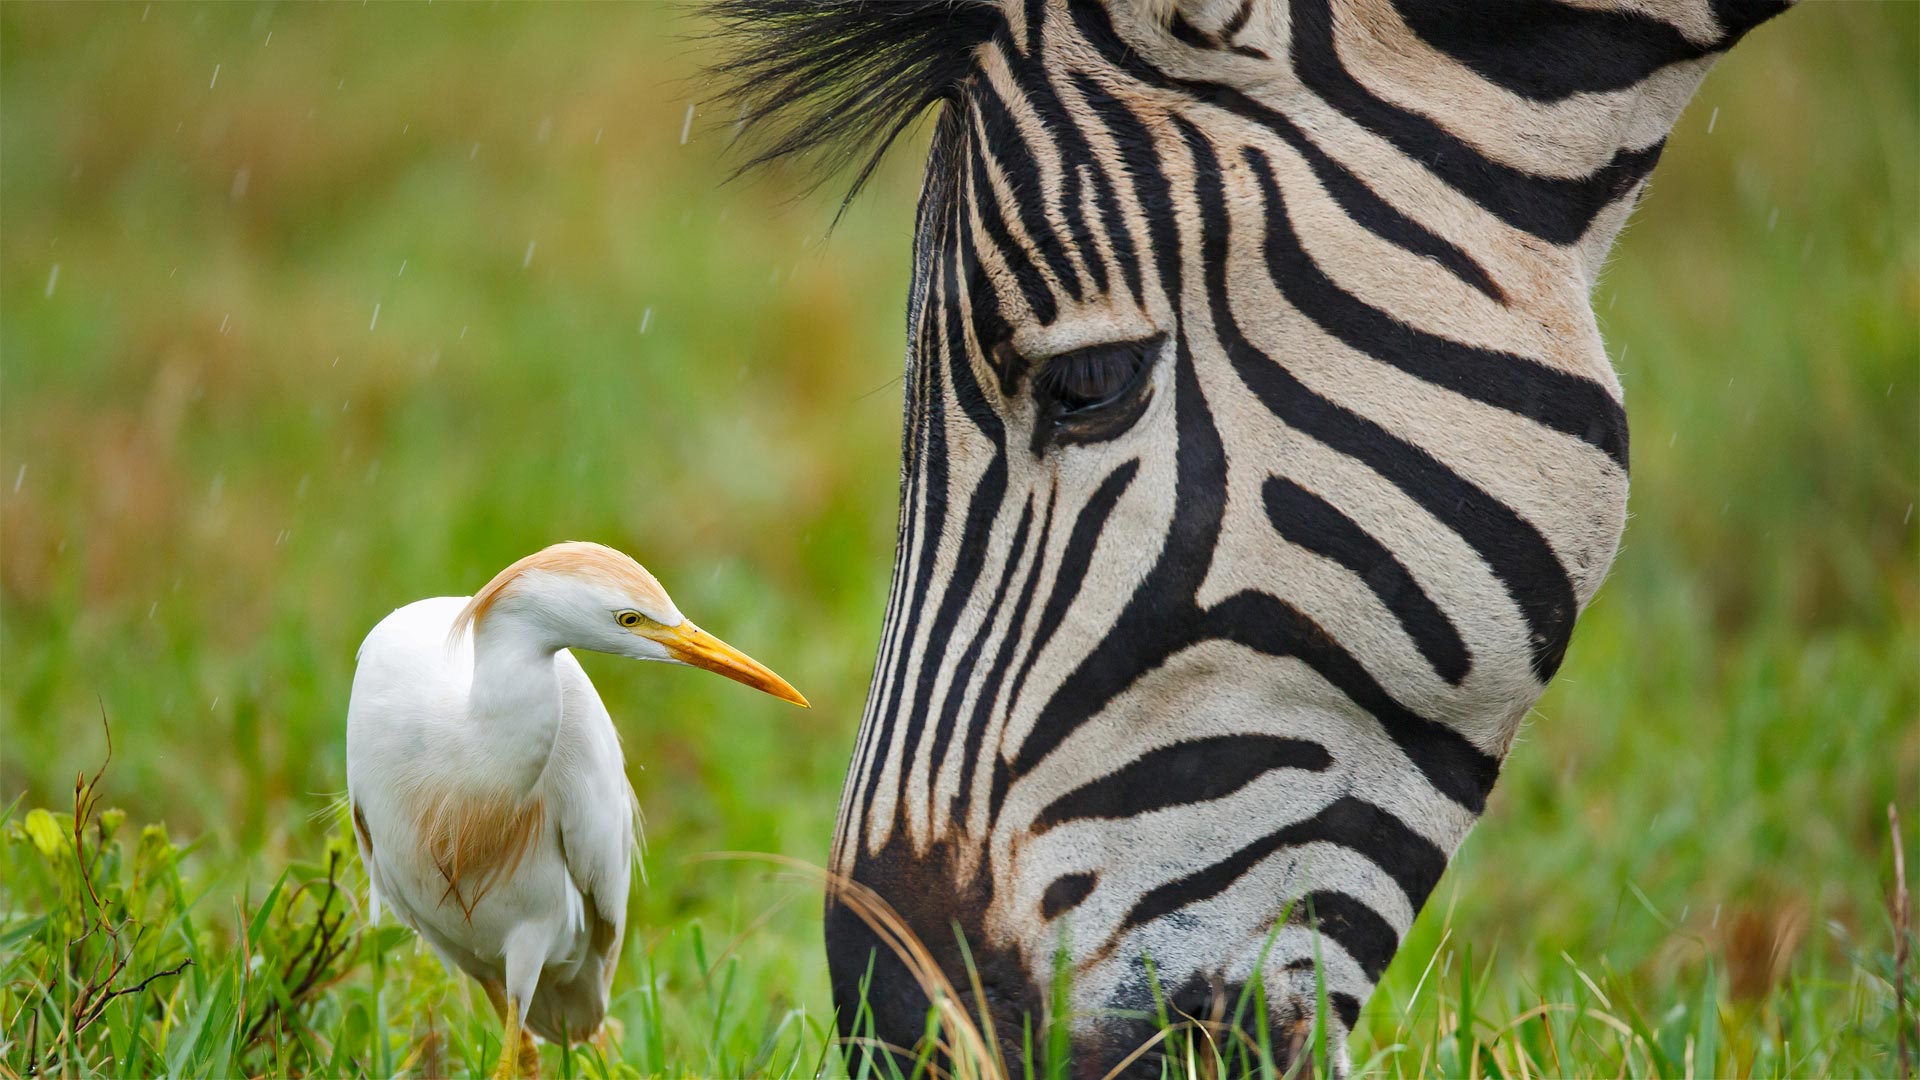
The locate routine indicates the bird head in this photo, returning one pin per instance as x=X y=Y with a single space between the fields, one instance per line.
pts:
x=588 y=596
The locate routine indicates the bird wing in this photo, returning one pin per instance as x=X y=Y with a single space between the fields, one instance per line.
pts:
x=409 y=693
x=598 y=816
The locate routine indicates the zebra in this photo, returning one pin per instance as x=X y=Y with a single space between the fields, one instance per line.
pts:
x=1260 y=449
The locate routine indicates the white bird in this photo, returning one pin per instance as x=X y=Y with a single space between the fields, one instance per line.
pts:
x=486 y=785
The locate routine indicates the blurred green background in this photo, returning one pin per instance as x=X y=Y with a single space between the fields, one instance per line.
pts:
x=309 y=311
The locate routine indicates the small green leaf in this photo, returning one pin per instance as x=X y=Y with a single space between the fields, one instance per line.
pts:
x=44 y=832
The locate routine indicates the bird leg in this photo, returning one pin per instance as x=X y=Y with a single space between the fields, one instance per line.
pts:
x=512 y=1040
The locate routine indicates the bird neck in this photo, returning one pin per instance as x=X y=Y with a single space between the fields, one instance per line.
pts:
x=514 y=703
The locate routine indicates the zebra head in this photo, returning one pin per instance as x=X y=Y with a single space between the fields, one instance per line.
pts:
x=1260 y=450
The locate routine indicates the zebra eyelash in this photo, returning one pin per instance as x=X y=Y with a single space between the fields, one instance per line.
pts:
x=1093 y=394
x=1091 y=378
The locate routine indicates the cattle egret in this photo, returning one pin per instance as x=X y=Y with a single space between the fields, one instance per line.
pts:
x=485 y=781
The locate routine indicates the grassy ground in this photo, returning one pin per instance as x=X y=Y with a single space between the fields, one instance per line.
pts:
x=309 y=311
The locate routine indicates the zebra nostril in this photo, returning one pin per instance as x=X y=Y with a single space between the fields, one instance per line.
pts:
x=1065 y=894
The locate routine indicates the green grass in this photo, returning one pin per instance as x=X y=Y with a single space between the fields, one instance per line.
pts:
x=218 y=468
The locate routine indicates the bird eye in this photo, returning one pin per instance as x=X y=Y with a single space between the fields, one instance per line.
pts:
x=628 y=618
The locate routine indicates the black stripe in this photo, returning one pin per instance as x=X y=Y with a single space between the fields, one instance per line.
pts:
x=1183 y=773
x=1074 y=154
x=1736 y=17
x=1546 y=50
x=1566 y=403
x=997 y=674
x=934 y=216
x=1160 y=618
x=1349 y=192
x=1345 y=1005
x=1119 y=235
x=1516 y=552
x=983 y=507
x=1140 y=163
x=1360 y=930
x=1190 y=34
x=1306 y=519
x=1355 y=927
x=1007 y=144
x=1088 y=525
x=1238 y=22
x=1149 y=627
x=1072 y=207
x=987 y=204
x=1071 y=146
x=928 y=466
x=1454 y=766
x=963 y=667
x=1556 y=210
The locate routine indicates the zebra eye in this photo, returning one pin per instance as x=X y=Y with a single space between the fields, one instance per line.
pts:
x=1094 y=394
x=1091 y=378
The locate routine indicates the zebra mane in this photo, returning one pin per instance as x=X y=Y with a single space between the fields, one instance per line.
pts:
x=832 y=83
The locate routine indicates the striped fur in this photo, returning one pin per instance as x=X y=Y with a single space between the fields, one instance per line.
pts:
x=1260 y=452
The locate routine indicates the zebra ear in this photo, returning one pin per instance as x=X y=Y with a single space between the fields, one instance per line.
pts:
x=832 y=83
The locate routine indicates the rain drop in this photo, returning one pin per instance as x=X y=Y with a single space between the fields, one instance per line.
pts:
x=216 y=77
x=527 y=259
x=19 y=478
x=375 y=321
x=53 y=279
x=686 y=126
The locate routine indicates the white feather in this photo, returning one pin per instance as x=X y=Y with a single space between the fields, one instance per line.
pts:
x=472 y=711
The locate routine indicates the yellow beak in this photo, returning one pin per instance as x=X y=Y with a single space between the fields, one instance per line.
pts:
x=695 y=647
